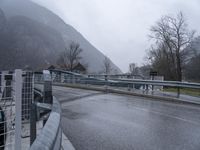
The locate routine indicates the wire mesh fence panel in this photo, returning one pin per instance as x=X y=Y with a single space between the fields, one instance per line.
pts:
x=27 y=98
x=10 y=88
x=7 y=111
x=38 y=77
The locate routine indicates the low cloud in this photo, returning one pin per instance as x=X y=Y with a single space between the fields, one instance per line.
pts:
x=119 y=28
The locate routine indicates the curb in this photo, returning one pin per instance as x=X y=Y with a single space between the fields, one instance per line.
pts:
x=108 y=90
x=155 y=97
x=66 y=144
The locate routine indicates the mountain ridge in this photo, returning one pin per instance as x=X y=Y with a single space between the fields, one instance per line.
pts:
x=91 y=56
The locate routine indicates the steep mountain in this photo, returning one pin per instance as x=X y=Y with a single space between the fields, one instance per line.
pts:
x=25 y=42
x=2 y=21
x=37 y=43
x=195 y=45
x=47 y=22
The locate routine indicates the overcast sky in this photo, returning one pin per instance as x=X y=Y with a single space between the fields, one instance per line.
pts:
x=119 y=28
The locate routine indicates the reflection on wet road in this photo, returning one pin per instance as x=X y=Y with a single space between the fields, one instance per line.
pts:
x=101 y=121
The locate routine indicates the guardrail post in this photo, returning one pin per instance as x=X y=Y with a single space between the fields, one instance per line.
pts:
x=106 y=77
x=147 y=89
x=47 y=87
x=129 y=87
x=152 y=85
x=18 y=108
x=133 y=86
x=48 y=98
x=143 y=90
x=178 y=92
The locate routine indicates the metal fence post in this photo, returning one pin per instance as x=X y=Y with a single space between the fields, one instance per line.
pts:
x=18 y=108
x=33 y=123
x=47 y=87
x=48 y=98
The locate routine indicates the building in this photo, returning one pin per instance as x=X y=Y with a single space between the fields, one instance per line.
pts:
x=79 y=68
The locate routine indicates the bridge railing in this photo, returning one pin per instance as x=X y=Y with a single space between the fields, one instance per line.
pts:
x=16 y=95
x=28 y=116
x=51 y=135
x=49 y=110
x=7 y=112
x=140 y=86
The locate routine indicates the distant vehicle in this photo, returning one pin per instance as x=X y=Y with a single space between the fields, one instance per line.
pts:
x=2 y=129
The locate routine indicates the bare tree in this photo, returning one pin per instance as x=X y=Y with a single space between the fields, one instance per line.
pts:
x=172 y=34
x=70 y=56
x=162 y=61
x=133 y=69
x=193 y=69
x=107 y=65
x=86 y=66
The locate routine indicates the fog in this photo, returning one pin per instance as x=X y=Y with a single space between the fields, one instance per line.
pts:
x=119 y=28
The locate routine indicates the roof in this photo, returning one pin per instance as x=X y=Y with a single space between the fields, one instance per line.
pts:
x=79 y=67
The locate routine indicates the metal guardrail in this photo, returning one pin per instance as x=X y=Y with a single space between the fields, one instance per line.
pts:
x=160 y=83
x=109 y=79
x=137 y=86
x=51 y=135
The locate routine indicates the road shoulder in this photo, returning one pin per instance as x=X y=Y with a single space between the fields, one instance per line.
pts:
x=66 y=144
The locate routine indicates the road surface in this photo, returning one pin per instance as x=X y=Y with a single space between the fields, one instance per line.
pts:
x=98 y=121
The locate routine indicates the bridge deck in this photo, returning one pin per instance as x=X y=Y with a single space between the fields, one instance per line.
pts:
x=99 y=121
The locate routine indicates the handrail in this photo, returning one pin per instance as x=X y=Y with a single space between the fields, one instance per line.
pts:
x=51 y=134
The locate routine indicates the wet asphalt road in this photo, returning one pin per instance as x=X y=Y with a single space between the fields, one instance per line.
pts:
x=101 y=121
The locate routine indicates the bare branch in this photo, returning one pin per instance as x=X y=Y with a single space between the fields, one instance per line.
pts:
x=107 y=65
x=70 y=56
x=173 y=34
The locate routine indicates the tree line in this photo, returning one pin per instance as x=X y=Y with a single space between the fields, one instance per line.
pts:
x=172 y=53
